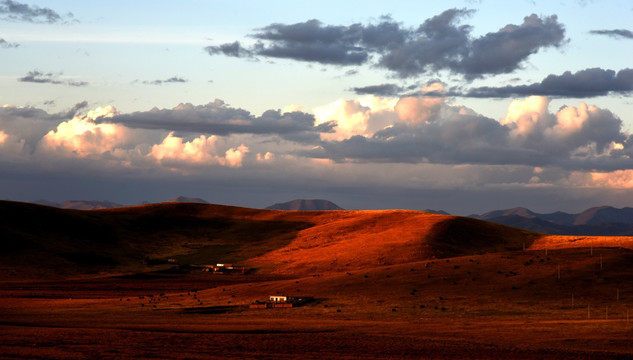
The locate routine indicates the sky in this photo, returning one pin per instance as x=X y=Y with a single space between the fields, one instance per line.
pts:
x=463 y=106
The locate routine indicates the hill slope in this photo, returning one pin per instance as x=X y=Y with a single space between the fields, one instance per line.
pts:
x=37 y=239
x=347 y=240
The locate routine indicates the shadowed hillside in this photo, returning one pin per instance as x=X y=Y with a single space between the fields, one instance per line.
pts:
x=37 y=240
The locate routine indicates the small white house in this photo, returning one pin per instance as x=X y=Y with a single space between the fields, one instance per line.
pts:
x=278 y=298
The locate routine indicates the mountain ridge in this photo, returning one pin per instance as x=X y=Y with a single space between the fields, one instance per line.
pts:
x=599 y=220
x=305 y=205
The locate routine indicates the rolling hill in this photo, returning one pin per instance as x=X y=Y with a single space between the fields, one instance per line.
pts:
x=39 y=240
x=379 y=284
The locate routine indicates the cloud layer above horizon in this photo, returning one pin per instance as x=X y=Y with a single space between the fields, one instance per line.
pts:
x=449 y=101
x=582 y=145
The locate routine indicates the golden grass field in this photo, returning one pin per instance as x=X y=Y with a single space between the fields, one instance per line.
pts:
x=386 y=285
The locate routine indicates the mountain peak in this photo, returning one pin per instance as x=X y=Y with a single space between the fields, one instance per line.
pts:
x=517 y=211
x=185 y=199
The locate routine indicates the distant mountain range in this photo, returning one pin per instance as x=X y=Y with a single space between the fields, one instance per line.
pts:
x=97 y=204
x=305 y=205
x=603 y=220
x=80 y=204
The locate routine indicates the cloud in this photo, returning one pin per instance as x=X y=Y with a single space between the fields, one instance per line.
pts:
x=429 y=130
x=14 y=11
x=362 y=116
x=439 y=43
x=82 y=137
x=234 y=49
x=86 y=141
x=268 y=156
x=581 y=84
x=171 y=80
x=29 y=124
x=174 y=151
x=419 y=110
x=620 y=179
x=8 y=45
x=369 y=130
x=617 y=33
x=380 y=90
x=75 y=109
x=39 y=77
x=12 y=148
x=350 y=116
x=219 y=119
x=234 y=156
x=311 y=41
x=505 y=50
x=421 y=145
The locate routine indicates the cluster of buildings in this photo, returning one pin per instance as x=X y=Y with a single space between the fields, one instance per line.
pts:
x=225 y=269
x=280 y=301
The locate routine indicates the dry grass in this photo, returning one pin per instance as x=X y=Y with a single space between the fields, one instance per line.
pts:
x=516 y=307
x=387 y=284
x=575 y=241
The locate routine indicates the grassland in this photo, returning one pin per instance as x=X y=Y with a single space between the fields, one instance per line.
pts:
x=386 y=285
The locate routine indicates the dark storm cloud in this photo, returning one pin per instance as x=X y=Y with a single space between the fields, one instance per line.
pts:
x=219 y=119
x=14 y=11
x=39 y=77
x=171 y=80
x=7 y=45
x=440 y=43
x=617 y=33
x=581 y=84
